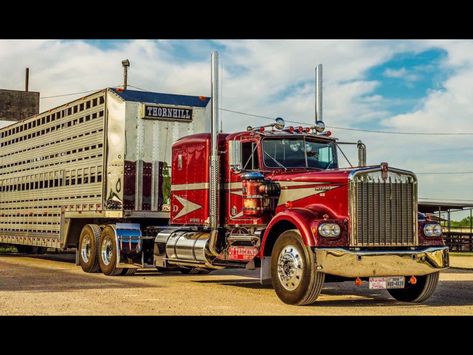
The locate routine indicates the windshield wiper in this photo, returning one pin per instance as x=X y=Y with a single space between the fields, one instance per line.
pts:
x=274 y=159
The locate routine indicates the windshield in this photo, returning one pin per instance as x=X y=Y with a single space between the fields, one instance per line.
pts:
x=299 y=152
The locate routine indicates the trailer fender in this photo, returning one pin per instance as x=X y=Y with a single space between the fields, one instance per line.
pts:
x=129 y=243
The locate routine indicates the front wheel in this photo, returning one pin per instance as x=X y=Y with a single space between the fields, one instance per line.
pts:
x=423 y=289
x=293 y=273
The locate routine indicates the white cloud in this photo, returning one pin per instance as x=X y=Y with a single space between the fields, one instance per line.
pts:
x=401 y=73
x=275 y=78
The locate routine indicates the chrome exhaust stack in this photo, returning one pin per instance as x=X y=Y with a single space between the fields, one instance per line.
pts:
x=361 y=153
x=318 y=94
x=214 y=160
x=192 y=247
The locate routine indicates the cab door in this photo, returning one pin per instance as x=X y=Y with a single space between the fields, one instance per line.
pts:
x=250 y=161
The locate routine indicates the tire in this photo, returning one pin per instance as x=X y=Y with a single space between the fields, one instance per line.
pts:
x=29 y=249
x=204 y=271
x=422 y=290
x=24 y=249
x=88 y=244
x=40 y=250
x=128 y=272
x=185 y=270
x=107 y=252
x=293 y=273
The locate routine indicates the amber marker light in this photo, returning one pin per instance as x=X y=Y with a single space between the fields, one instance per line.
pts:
x=358 y=282
x=413 y=280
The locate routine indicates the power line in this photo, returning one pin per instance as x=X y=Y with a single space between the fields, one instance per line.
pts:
x=360 y=129
x=445 y=199
x=74 y=93
x=71 y=94
x=136 y=87
x=305 y=123
x=446 y=173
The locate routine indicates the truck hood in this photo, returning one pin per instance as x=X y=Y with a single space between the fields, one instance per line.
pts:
x=337 y=176
x=303 y=188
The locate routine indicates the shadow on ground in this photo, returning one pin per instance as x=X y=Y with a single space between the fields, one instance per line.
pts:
x=448 y=293
x=43 y=279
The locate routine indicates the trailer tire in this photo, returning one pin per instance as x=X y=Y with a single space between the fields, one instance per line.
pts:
x=107 y=252
x=422 y=290
x=24 y=249
x=293 y=272
x=185 y=270
x=88 y=248
x=39 y=250
x=30 y=249
x=128 y=272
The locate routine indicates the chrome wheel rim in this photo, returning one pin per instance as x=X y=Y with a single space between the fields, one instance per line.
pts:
x=106 y=251
x=290 y=267
x=85 y=248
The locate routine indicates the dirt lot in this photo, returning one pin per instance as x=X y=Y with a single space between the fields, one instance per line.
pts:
x=53 y=285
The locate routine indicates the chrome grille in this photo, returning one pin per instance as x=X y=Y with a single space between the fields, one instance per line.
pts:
x=383 y=212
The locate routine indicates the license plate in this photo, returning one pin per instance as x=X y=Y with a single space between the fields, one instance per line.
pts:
x=387 y=282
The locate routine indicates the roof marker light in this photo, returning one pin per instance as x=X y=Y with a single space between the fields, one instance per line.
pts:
x=327 y=134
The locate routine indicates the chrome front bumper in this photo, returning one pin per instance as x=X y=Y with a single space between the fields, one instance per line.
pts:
x=348 y=263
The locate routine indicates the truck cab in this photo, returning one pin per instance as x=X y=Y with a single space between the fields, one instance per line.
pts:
x=285 y=205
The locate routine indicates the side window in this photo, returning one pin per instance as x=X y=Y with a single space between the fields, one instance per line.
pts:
x=249 y=156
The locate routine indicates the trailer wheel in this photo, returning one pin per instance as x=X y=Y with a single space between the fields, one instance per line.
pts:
x=295 y=278
x=88 y=241
x=128 y=272
x=24 y=249
x=185 y=270
x=40 y=250
x=423 y=289
x=29 y=249
x=108 y=252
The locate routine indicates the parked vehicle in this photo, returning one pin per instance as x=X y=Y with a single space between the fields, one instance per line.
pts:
x=146 y=180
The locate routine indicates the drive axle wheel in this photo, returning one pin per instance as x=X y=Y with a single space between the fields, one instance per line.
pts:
x=422 y=290
x=295 y=278
x=88 y=242
x=108 y=252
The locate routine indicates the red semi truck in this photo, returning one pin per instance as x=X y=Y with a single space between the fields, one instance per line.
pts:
x=271 y=197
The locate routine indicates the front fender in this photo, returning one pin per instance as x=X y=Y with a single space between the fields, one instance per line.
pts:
x=301 y=219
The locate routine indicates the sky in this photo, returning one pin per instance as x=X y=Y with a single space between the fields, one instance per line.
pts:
x=416 y=86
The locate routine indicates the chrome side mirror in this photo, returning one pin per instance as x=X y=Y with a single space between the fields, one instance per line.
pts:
x=234 y=156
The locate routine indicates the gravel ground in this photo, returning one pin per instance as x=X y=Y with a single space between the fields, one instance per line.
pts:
x=52 y=285
x=465 y=262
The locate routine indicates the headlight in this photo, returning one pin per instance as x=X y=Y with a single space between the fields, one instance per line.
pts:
x=329 y=230
x=432 y=230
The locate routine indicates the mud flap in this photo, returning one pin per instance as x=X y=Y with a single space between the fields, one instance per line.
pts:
x=265 y=271
x=128 y=244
